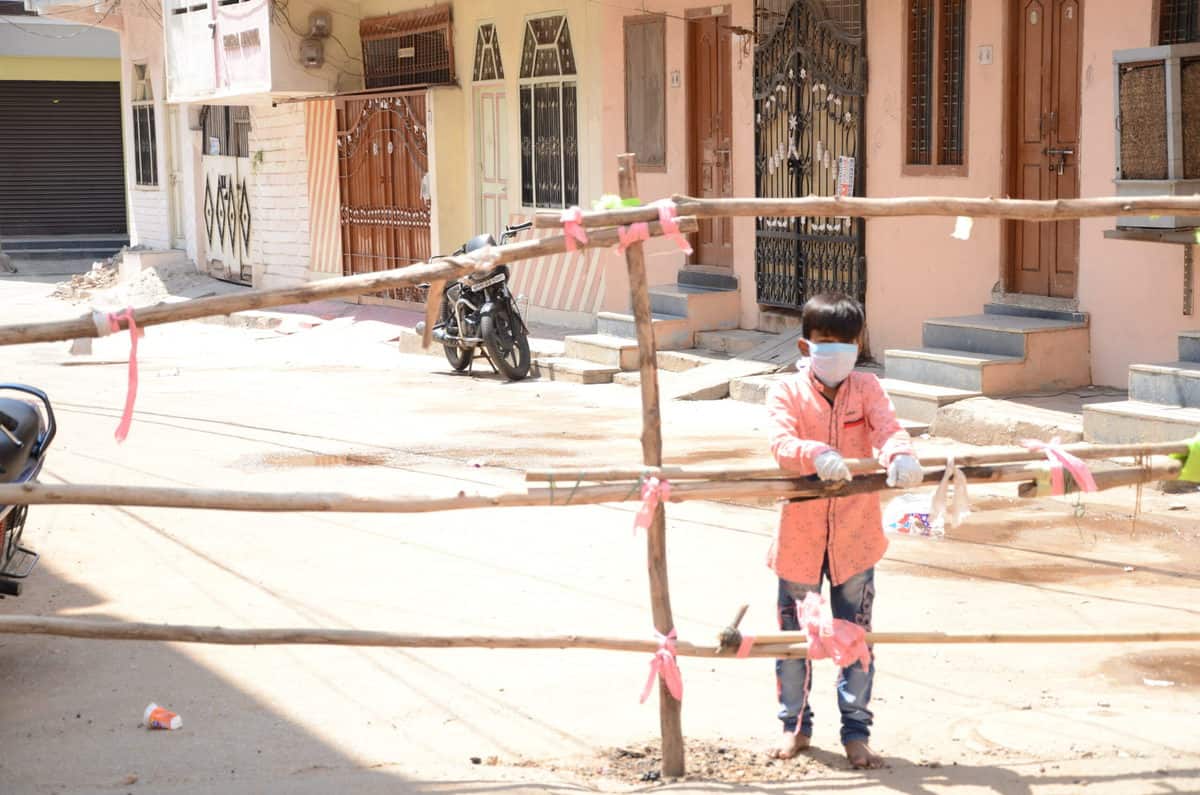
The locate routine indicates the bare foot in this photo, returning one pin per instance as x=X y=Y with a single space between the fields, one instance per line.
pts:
x=862 y=757
x=793 y=743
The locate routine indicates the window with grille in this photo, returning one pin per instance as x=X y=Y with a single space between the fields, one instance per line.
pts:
x=145 y=144
x=936 y=62
x=645 y=89
x=488 y=65
x=549 y=129
x=410 y=49
x=1178 y=21
x=226 y=130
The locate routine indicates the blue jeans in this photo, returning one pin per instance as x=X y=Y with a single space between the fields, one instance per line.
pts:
x=850 y=601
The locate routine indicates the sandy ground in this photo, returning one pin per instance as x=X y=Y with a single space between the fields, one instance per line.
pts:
x=336 y=406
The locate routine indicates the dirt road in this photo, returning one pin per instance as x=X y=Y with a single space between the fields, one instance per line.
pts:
x=337 y=407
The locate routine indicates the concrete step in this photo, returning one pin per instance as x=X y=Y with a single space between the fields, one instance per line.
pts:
x=709 y=382
x=1133 y=421
x=706 y=309
x=671 y=332
x=1172 y=384
x=920 y=402
x=61 y=253
x=710 y=277
x=956 y=369
x=605 y=349
x=681 y=361
x=574 y=371
x=65 y=243
x=735 y=341
x=987 y=421
x=999 y=335
x=1189 y=346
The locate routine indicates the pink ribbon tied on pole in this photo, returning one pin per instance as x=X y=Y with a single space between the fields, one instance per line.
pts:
x=634 y=233
x=572 y=221
x=664 y=665
x=110 y=323
x=653 y=492
x=842 y=641
x=668 y=216
x=1060 y=459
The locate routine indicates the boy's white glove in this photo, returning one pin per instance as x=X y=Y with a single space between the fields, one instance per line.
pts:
x=831 y=466
x=904 y=472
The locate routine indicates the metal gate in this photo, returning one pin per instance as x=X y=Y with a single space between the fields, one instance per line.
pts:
x=225 y=162
x=810 y=82
x=383 y=170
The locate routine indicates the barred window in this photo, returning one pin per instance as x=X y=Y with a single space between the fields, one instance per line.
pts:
x=936 y=61
x=1178 y=21
x=412 y=48
x=488 y=65
x=549 y=128
x=145 y=143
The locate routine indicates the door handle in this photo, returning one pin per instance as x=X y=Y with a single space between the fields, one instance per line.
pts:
x=1060 y=151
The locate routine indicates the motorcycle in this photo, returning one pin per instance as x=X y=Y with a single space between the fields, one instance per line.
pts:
x=479 y=311
x=25 y=433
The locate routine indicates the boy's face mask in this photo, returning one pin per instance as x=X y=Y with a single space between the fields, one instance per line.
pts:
x=832 y=362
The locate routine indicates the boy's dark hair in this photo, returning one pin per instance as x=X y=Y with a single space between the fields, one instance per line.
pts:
x=835 y=314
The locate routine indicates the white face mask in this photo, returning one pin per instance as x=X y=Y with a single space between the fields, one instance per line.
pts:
x=832 y=362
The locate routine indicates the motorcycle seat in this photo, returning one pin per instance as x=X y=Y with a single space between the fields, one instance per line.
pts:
x=22 y=422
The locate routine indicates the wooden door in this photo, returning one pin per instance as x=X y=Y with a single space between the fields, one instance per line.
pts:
x=1046 y=60
x=710 y=98
x=491 y=149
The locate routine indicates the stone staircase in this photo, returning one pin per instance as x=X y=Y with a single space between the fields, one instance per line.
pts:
x=700 y=303
x=1007 y=350
x=1163 y=404
x=64 y=247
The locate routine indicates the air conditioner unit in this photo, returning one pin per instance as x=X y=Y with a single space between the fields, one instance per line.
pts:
x=1158 y=127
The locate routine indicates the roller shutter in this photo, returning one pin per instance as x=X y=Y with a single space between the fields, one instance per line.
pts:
x=61 y=169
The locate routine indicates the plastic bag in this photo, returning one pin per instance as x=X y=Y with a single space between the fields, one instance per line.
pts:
x=910 y=515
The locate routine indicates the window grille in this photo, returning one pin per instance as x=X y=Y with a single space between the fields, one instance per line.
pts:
x=410 y=49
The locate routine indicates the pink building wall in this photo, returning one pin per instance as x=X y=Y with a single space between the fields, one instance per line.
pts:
x=663 y=260
x=1131 y=290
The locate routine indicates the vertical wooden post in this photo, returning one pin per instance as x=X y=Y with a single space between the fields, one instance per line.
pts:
x=656 y=538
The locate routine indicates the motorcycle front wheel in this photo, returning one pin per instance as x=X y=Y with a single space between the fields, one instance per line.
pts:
x=505 y=342
x=459 y=358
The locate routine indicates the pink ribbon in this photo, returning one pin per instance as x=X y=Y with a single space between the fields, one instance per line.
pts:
x=663 y=665
x=745 y=646
x=1060 y=458
x=572 y=220
x=842 y=641
x=114 y=325
x=634 y=233
x=653 y=492
x=667 y=215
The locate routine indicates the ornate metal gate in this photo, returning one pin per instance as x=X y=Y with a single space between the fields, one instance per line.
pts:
x=810 y=82
x=383 y=172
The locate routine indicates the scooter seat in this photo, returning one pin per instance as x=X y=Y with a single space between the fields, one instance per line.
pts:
x=23 y=423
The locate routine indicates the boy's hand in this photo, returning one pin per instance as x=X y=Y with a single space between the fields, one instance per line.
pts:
x=905 y=472
x=831 y=466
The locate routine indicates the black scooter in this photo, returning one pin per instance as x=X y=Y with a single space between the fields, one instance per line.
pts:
x=25 y=433
x=479 y=311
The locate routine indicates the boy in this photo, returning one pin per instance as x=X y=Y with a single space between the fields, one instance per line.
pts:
x=824 y=415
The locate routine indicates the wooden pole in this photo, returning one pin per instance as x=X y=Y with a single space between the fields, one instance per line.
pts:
x=1158 y=468
x=349 y=502
x=981 y=457
x=784 y=644
x=669 y=708
x=340 y=287
x=875 y=207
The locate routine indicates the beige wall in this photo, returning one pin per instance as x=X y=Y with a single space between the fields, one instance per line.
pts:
x=663 y=259
x=149 y=216
x=1134 y=291
x=916 y=271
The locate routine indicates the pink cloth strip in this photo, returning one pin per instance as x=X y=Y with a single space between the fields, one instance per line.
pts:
x=842 y=641
x=663 y=665
x=114 y=324
x=634 y=233
x=653 y=492
x=746 y=645
x=572 y=220
x=1060 y=458
x=667 y=216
